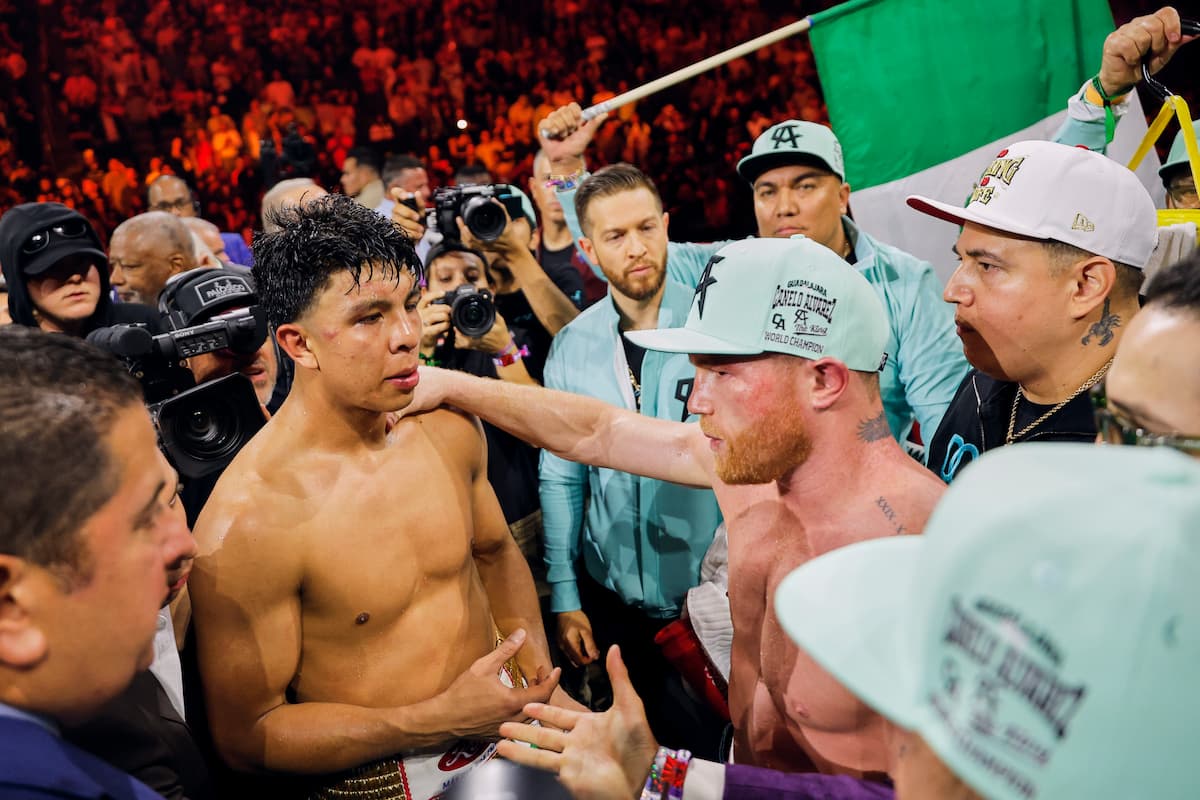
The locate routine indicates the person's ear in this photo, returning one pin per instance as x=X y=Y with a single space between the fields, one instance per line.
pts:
x=1092 y=282
x=827 y=382
x=588 y=248
x=294 y=340
x=844 y=197
x=666 y=222
x=22 y=642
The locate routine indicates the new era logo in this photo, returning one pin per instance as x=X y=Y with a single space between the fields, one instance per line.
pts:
x=1082 y=223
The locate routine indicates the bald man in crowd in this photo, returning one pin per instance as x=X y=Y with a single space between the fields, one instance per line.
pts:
x=286 y=193
x=145 y=251
x=209 y=237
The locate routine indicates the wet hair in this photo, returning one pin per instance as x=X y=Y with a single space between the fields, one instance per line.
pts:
x=1177 y=286
x=59 y=399
x=607 y=181
x=1062 y=255
x=308 y=244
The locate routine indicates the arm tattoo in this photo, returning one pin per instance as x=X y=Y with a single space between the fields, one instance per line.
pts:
x=891 y=515
x=872 y=430
x=1103 y=327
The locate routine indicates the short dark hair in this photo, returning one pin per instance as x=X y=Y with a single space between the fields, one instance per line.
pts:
x=315 y=240
x=395 y=165
x=472 y=174
x=366 y=157
x=59 y=398
x=1062 y=255
x=610 y=180
x=1177 y=286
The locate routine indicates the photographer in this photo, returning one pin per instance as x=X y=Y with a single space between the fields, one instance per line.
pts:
x=539 y=301
x=57 y=273
x=200 y=296
x=500 y=352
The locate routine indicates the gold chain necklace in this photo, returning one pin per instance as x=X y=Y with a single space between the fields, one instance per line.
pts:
x=1012 y=419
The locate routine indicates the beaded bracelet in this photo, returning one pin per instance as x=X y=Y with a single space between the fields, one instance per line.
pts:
x=655 y=785
x=429 y=361
x=565 y=183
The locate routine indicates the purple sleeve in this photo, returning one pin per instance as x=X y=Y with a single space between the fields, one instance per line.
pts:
x=754 y=783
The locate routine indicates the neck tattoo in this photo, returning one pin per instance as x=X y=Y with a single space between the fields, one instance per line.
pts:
x=1012 y=419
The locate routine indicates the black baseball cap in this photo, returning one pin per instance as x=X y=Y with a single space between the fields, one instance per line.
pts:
x=40 y=235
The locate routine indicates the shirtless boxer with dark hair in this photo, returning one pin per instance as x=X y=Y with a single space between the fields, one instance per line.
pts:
x=354 y=579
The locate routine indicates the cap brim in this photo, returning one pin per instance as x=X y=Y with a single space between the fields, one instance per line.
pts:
x=45 y=261
x=848 y=610
x=753 y=166
x=683 y=340
x=958 y=215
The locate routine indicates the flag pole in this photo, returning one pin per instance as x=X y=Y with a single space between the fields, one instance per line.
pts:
x=692 y=70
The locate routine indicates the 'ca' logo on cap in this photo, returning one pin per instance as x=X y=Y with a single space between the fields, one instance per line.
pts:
x=786 y=135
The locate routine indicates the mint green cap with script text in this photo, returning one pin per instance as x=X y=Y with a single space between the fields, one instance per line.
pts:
x=1042 y=635
x=790 y=296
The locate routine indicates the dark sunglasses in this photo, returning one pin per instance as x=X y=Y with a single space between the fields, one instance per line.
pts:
x=1116 y=428
x=72 y=229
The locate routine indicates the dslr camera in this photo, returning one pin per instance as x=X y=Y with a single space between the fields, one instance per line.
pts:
x=481 y=207
x=472 y=310
x=200 y=427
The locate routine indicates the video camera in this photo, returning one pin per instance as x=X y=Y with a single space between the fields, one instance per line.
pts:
x=481 y=207
x=200 y=427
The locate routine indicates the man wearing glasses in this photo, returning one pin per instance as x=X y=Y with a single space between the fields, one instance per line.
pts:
x=1152 y=393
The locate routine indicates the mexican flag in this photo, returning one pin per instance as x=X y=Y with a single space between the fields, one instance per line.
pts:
x=922 y=95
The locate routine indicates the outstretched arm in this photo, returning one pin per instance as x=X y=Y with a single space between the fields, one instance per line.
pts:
x=576 y=427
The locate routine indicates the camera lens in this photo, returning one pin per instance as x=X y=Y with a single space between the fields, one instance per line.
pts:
x=210 y=431
x=473 y=314
x=485 y=218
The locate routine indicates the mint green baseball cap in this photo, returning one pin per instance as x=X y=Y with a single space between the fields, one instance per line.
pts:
x=790 y=296
x=1042 y=636
x=793 y=142
x=1178 y=154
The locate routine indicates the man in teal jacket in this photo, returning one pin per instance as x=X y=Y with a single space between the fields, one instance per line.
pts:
x=639 y=542
x=798 y=179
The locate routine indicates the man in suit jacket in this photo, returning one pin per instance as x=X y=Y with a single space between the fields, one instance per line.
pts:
x=88 y=551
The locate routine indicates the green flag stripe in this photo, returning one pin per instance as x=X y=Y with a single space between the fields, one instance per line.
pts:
x=912 y=83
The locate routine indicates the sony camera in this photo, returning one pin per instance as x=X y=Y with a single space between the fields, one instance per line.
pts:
x=472 y=310
x=481 y=208
x=200 y=428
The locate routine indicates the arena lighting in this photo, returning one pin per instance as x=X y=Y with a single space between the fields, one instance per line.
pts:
x=462 y=124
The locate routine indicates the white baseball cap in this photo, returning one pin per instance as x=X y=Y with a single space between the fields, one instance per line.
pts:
x=790 y=296
x=1042 y=635
x=1045 y=190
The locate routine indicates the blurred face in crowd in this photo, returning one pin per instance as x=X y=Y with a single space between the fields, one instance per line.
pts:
x=627 y=238
x=735 y=398
x=414 y=181
x=1154 y=381
x=1004 y=299
x=355 y=177
x=173 y=196
x=66 y=294
x=545 y=197
x=141 y=266
x=801 y=199
x=103 y=613
x=1181 y=190
x=452 y=270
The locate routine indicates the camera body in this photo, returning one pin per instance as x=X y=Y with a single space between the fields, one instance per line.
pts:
x=472 y=310
x=480 y=208
x=200 y=428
